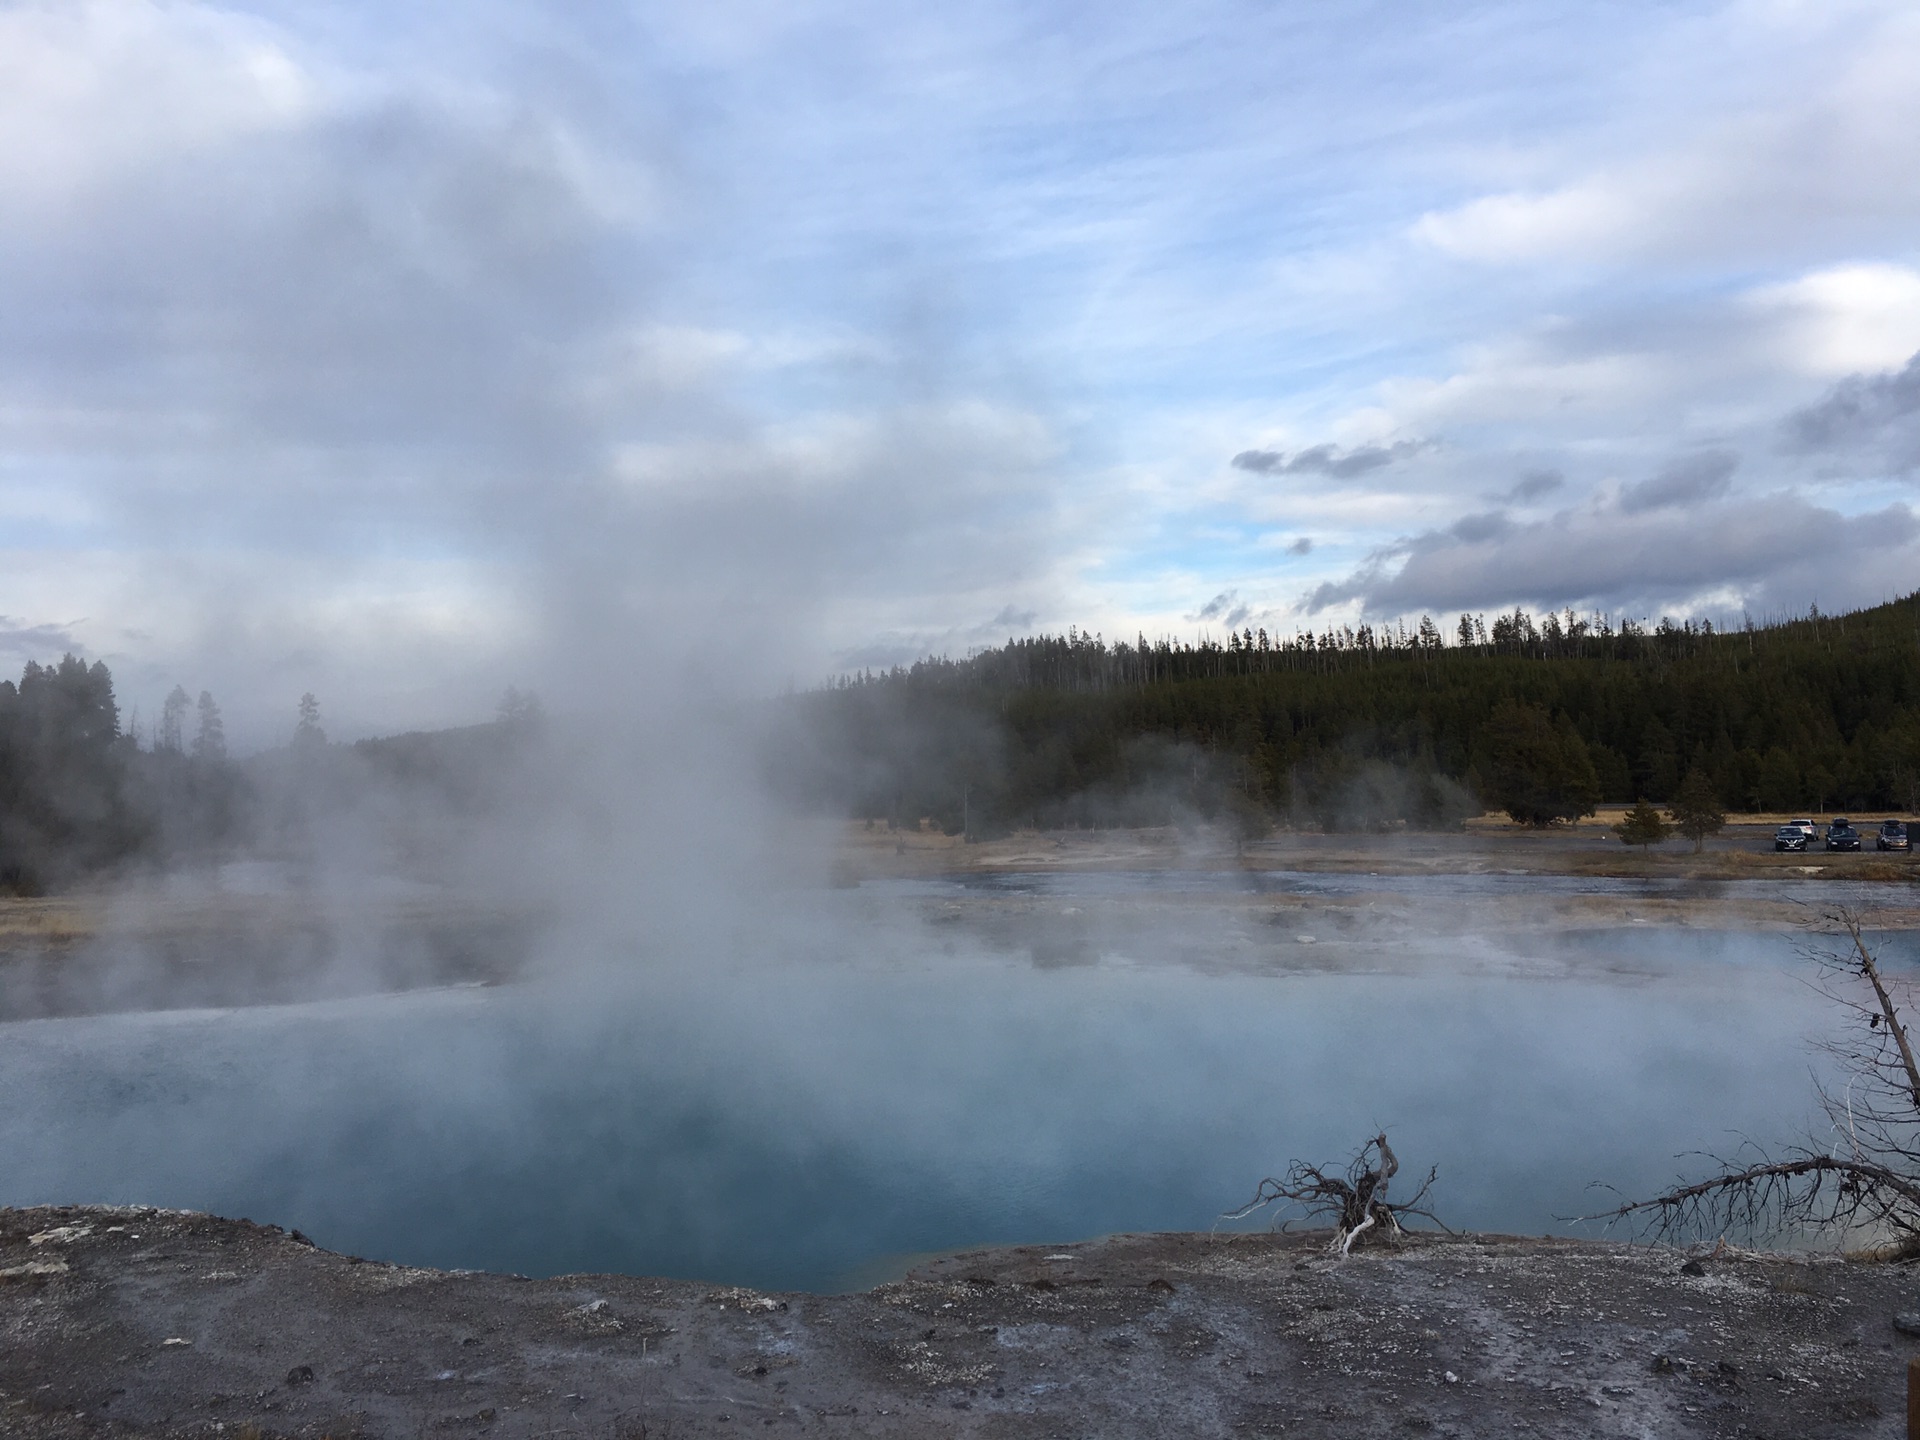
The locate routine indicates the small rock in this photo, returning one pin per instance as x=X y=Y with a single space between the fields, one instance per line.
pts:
x=1452 y=1379
x=300 y=1375
x=33 y=1269
x=1693 y=1267
x=1907 y=1322
x=60 y=1235
x=175 y=1340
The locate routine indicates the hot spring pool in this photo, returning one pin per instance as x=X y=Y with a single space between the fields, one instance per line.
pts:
x=806 y=1125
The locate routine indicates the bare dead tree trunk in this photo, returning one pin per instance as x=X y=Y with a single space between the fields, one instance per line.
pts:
x=1356 y=1202
x=1871 y=969
x=1875 y=1186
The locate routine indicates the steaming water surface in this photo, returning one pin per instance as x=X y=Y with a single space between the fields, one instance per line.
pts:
x=794 y=1123
x=1495 y=884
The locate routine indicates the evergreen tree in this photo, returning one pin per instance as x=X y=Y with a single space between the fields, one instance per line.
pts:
x=1696 y=811
x=1819 y=784
x=63 y=808
x=173 y=721
x=210 y=740
x=1538 y=771
x=308 y=733
x=1641 y=825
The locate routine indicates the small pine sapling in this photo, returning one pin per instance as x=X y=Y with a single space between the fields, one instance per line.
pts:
x=1641 y=825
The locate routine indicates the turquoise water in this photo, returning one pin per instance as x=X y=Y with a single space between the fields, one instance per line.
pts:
x=792 y=1124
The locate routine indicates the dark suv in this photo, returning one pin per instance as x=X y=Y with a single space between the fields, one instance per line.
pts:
x=1893 y=836
x=1842 y=836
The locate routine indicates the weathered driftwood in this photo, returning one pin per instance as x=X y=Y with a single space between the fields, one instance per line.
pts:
x=1355 y=1201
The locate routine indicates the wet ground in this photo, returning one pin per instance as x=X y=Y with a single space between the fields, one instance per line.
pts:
x=149 y=1323
x=255 y=933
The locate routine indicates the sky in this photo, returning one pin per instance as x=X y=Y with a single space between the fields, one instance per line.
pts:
x=402 y=352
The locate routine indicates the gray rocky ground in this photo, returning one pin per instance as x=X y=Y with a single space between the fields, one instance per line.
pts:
x=141 y=1322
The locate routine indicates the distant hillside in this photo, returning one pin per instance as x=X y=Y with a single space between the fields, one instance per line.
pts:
x=1354 y=728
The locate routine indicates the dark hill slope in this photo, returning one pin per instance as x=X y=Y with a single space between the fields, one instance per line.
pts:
x=1369 y=726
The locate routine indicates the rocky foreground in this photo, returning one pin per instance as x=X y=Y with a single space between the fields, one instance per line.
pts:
x=140 y=1322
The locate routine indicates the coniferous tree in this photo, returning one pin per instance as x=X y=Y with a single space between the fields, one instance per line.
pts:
x=173 y=721
x=210 y=740
x=1696 y=811
x=1778 y=715
x=1641 y=826
x=307 y=733
x=1538 y=772
x=1820 y=785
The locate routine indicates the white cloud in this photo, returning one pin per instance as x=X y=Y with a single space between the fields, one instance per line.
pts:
x=1593 y=217
x=1806 y=142
x=92 y=91
x=858 y=325
x=1843 y=319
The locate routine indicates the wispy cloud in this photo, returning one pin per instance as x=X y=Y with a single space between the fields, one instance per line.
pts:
x=1226 y=608
x=1531 y=486
x=1328 y=460
x=1687 y=481
x=382 y=359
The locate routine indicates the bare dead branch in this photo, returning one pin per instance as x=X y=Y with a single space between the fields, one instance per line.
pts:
x=1356 y=1202
x=1850 y=921
x=1876 y=1185
x=1856 y=1173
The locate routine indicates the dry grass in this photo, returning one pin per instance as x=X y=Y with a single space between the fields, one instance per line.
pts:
x=61 y=921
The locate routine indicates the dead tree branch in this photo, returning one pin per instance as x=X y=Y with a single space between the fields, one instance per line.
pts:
x=1356 y=1201
x=1875 y=1184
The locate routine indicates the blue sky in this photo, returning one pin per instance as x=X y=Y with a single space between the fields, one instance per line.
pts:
x=402 y=352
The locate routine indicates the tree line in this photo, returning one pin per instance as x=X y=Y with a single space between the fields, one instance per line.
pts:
x=1544 y=716
x=81 y=795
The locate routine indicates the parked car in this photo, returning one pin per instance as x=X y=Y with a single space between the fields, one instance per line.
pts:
x=1842 y=836
x=1893 y=836
x=1805 y=827
x=1789 y=837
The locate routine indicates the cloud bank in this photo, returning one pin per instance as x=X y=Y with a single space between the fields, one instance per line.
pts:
x=399 y=357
